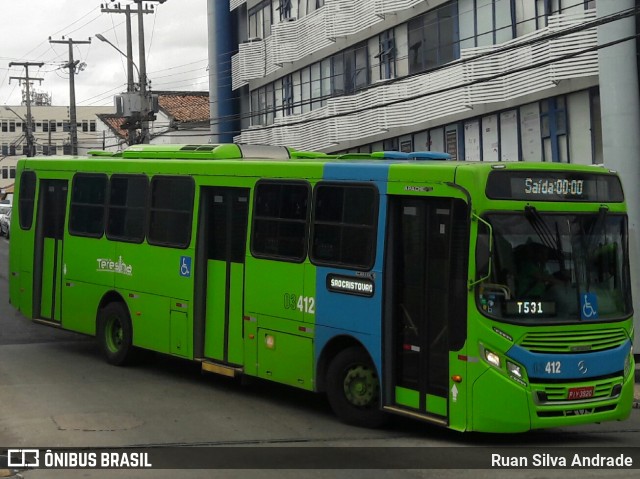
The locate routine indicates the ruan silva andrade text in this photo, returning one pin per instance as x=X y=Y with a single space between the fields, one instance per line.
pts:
x=549 y=460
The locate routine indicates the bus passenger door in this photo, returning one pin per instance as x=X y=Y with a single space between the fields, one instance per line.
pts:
x=47 y=277
x=221 y=253
x=423 y=280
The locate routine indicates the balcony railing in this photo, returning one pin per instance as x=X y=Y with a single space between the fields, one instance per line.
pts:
x=445 y=92
x=294 y=39
x=233 y=4
x=385 y=7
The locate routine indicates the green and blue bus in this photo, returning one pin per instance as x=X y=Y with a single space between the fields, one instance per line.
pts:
x=477 y=296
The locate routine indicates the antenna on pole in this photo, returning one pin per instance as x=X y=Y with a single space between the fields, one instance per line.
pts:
x=27 y=81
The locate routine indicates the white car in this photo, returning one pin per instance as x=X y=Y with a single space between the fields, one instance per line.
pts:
x=5 y=223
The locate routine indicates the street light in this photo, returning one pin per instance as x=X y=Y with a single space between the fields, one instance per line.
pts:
x=102 y=38
x=30 y=139
x=8 y=108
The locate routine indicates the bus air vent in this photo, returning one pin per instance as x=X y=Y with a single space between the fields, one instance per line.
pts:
x=198 y=147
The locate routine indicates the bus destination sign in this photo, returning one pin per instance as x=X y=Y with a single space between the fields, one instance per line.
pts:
x=545 y=186
x=553 y=186
x=350 y=285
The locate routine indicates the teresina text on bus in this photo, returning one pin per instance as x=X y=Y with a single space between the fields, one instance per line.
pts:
x=350 y=285
x=108 y=265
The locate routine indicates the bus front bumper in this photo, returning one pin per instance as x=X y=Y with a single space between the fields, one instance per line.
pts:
x=502 y=405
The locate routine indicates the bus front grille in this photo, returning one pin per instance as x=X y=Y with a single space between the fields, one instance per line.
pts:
x=573 y=341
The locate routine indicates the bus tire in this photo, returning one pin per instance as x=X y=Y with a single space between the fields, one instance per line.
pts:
x=353 y=389
x=115 y=334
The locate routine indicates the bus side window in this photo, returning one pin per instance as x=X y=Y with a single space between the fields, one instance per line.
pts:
x=127 y=208
x=27 y=198
x=171 y=211
x=280 y=220
x=88 y=198
x=344 y=225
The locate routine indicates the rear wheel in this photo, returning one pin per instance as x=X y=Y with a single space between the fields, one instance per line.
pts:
x=115 y=334
x=353 y=389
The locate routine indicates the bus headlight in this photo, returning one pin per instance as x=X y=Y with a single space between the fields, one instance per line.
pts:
x=492 y=358
x=514 y=370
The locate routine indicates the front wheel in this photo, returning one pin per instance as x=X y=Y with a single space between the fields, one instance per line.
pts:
x=115 y=333
x=353 y=389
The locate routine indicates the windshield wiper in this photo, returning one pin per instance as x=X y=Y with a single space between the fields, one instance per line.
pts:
x=591 y=237
x=543 y=231
x=588 y=241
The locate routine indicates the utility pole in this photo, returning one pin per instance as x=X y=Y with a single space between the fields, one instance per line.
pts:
x=146 y=110
x=127 y=12
x=30 y=140
x=131 y=122
x=72 y=65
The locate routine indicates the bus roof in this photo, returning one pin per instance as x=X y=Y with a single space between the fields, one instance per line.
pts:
x=255 y=152
x=277 y=155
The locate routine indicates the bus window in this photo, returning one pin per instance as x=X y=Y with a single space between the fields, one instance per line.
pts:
x=344 y=225
x=280 y=220
x=27 y=198
x=171 y=211
x=88 y=197
x=127 y=207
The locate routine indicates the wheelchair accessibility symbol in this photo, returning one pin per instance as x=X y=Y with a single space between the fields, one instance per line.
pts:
x=185 y=266
x=588 y=306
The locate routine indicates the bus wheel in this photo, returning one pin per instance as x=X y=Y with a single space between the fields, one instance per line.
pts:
x=115 y=333
x=353 y=389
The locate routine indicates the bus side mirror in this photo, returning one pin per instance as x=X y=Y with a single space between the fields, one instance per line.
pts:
x=483 y=252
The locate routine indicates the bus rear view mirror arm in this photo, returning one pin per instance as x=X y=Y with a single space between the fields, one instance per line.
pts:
x=483 y=251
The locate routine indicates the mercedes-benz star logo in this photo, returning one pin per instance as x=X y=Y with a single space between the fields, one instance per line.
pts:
x=582 y=367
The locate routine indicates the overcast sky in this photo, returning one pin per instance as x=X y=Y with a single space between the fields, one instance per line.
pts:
x=175 y=39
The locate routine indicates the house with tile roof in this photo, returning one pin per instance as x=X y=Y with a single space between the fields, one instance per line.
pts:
x=183 y=117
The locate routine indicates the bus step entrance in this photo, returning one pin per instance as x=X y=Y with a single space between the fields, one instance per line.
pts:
x=421 y=416
x=222 y=369
x=47 y=322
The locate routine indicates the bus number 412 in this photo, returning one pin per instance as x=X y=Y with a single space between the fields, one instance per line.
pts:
x=305 y=304
x=553 y=367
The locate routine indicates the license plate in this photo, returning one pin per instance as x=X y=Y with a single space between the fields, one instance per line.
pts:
x=580 y=393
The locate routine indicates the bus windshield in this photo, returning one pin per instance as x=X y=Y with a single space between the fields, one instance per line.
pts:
x=557 y=268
